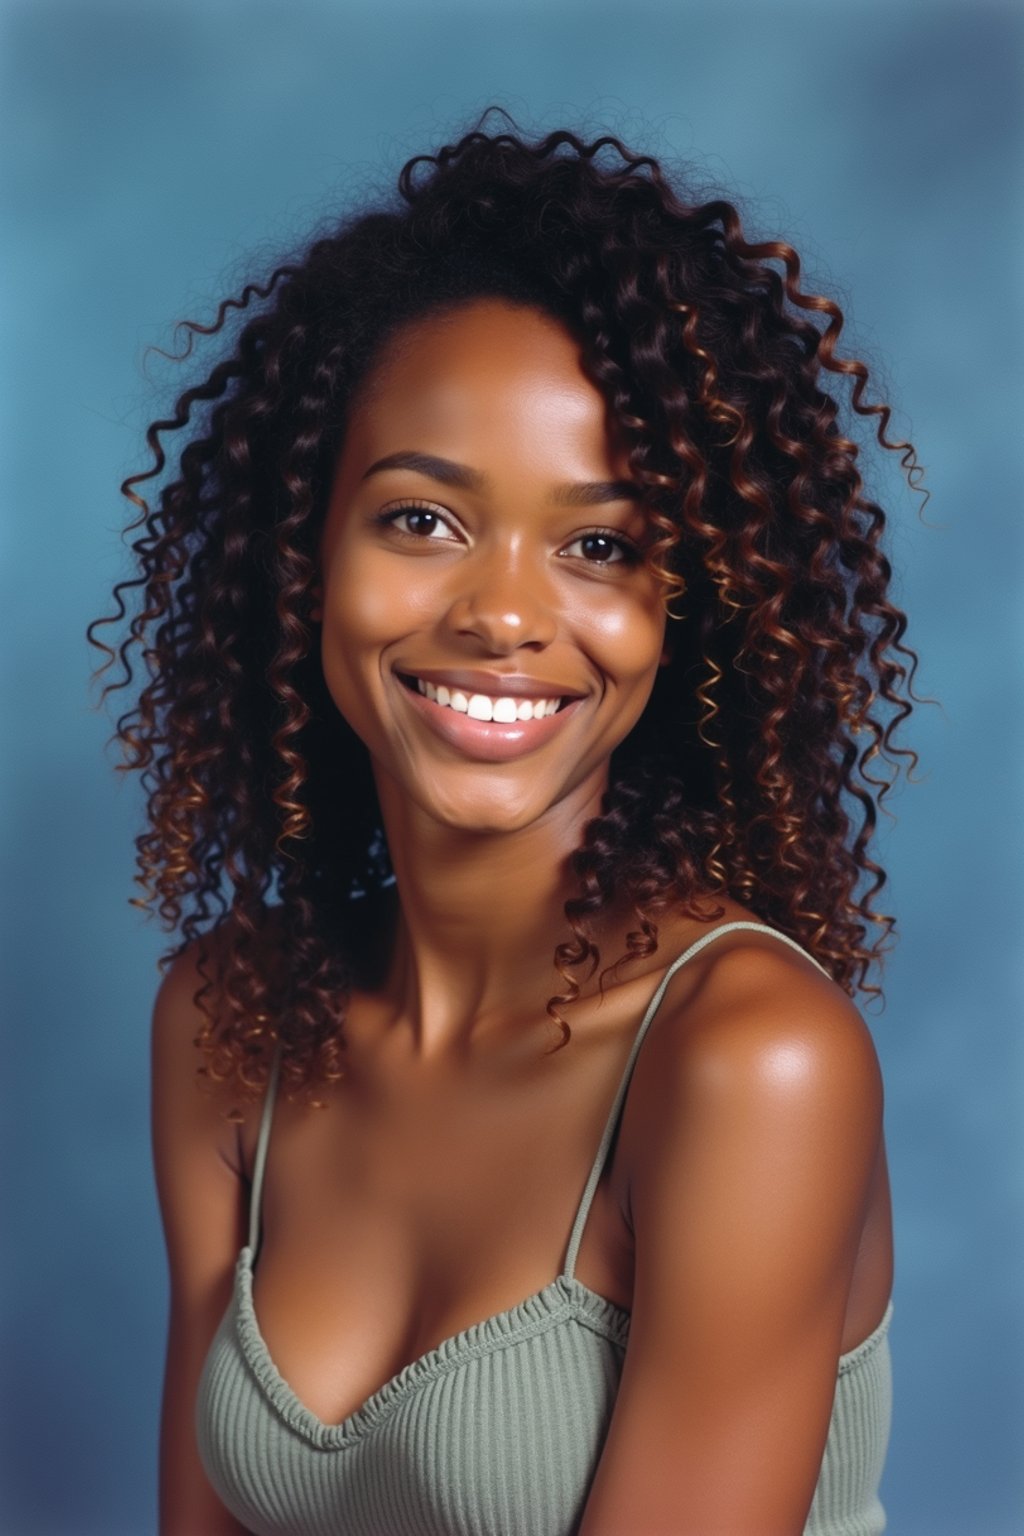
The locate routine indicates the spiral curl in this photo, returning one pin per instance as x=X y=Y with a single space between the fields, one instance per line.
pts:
x=742 y=774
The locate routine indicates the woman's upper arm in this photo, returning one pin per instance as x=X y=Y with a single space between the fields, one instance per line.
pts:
x=761 y=1133
x=203 y=1209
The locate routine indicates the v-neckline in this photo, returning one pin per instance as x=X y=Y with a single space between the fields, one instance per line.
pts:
x=563 y=1299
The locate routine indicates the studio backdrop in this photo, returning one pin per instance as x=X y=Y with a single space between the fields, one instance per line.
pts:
x=156 y=155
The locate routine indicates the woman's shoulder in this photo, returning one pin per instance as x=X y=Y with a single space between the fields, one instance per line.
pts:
x=754 y=1030
x=189 y=1101
x=199 y=966
x=746 y=981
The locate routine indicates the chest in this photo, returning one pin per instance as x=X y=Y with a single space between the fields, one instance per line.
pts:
x=393 y=1222
x=499 y=1429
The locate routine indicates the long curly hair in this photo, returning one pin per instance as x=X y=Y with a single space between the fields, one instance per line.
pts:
x=748 y=772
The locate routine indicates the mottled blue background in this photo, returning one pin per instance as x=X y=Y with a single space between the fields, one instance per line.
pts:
x=149 y=151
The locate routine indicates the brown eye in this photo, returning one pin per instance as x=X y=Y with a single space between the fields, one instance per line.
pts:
x=597 y=547
x=419 y=522
x=600 y=548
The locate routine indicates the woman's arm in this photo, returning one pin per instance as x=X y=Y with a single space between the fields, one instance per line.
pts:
x=203 y=1207
x=762 y=1115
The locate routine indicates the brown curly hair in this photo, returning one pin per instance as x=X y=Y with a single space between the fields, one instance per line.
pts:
x=733 y=780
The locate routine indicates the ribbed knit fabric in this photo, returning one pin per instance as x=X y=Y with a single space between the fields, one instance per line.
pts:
x=499 y=1429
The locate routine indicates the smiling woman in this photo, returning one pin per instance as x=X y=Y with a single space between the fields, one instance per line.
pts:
x=511 y=619
x=505 y=570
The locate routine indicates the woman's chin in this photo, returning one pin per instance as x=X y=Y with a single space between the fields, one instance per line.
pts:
x=483 y=809
x=487 y=799
x=486 y=818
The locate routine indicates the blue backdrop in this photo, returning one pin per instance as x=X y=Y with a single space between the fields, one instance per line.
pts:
x=153 y=155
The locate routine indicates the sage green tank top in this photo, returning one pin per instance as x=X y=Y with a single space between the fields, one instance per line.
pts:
x=499 y=1429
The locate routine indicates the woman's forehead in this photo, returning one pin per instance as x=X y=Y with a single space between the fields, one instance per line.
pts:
x=490 y=378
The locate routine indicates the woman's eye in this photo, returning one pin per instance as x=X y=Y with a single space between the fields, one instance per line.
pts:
x=603 y=549
x=421 y=522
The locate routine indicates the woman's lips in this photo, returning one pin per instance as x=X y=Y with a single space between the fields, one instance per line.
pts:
x=488 y=741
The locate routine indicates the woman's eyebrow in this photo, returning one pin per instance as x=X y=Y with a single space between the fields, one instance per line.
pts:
x=582 y=493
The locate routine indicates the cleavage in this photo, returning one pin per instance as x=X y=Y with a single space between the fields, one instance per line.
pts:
x=417 y=1251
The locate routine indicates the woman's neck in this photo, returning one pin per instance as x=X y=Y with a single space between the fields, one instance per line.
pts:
x=476 y=922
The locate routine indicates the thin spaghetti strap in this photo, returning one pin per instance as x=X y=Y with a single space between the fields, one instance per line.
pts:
x=256 y=1193
x=652 y=1008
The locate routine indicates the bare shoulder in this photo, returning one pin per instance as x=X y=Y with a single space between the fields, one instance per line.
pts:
x=197 y=1159
x=177 y=1019
x=756 y=1037
x=757 y=1016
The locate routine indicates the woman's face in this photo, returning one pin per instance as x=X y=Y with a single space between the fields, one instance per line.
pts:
x=480 y=568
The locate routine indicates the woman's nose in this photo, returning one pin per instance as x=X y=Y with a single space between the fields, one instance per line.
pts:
x=503 y=605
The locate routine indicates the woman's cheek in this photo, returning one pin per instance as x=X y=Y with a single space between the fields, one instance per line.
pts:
x=628 y=638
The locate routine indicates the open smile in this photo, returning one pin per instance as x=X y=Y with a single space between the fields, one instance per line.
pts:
x=489 y=727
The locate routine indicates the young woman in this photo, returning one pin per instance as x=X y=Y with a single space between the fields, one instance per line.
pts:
x=517 y=622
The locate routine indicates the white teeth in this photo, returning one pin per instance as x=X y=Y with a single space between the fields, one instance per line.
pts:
x=481 y=706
